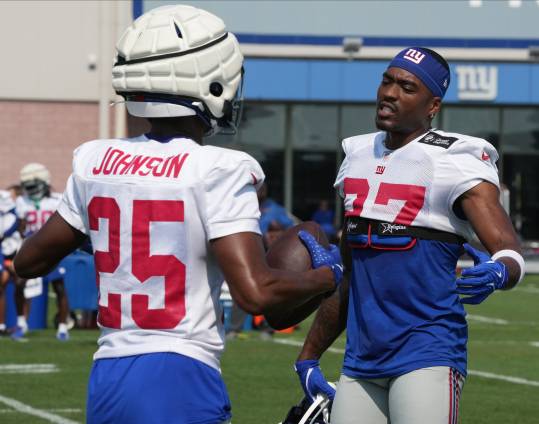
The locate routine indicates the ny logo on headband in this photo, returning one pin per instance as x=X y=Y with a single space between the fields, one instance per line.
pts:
x=414 y=56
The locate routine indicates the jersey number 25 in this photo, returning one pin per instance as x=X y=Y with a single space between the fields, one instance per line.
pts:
x=143 y=264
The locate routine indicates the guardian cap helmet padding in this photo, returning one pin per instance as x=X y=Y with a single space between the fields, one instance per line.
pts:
x=179 y=61
x=35 y=180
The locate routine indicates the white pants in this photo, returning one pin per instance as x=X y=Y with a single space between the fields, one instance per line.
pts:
x=424 y=396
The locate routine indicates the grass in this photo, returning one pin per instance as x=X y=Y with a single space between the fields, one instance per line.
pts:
x=263 y=385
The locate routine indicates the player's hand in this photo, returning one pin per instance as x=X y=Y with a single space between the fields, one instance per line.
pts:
x=320 y=256
x=312 y=380
x=479 y=281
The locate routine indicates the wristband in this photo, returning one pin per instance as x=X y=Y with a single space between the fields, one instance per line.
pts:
x=517 y=257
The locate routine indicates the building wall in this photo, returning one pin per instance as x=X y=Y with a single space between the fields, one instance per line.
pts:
x=45 y=132
x=53 y=50
x=51 y=80
x=387 y=18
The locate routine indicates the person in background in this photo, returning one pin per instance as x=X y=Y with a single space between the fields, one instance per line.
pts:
x=325 y=217
x=34 y=207
x=9 y=225
x=273 y=216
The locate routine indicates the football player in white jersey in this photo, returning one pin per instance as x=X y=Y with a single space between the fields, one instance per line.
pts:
x=9 y=225
x=168 y=218
x=412 y=196
x=34 y=207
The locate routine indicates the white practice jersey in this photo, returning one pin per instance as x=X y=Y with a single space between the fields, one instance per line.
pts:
x=418 y=183
x=8 y=218
x=151 y=209
x=36 y=213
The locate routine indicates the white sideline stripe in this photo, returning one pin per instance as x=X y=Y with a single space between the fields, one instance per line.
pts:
x=292 y=342
x=535 y=344
x=62 y=410
x=27 y=409
x=28 y=368
x=487 y=320
x=525 y=289
x=508 y=378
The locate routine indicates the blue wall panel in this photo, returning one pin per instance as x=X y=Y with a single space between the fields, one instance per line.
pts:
x=361 y=80
x=357 y=81
x=269 y=79
x=534 y=89
x=514 y=83
x=326 y=80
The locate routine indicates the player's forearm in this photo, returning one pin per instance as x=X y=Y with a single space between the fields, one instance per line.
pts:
x=493 y=226
x=291 y=289
x=329 y=323
x=29 y=261
x=273 y=292
x=41 y=252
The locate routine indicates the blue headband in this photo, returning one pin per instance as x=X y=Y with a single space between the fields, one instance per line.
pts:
x=424 y=66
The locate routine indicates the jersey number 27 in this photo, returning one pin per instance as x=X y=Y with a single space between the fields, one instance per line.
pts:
x=413 y=196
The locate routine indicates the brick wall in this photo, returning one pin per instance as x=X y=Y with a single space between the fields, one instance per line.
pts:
x=44 y=132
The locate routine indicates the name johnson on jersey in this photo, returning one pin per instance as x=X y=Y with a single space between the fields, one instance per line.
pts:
x=118 y=162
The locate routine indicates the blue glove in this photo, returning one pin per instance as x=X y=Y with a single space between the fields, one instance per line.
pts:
x=320 y=256
x=479 y=281
x=312 y=380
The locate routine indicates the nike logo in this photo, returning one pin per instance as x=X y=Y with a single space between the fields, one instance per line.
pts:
x=499 y=274
x=485 y=156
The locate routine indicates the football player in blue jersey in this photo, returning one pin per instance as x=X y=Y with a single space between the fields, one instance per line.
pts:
x=413 y=195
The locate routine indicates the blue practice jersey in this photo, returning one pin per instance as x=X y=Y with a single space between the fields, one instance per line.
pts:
x=404 y=312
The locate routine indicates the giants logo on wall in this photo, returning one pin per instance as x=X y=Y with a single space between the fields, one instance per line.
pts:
x=477 y=82
x=414 y=56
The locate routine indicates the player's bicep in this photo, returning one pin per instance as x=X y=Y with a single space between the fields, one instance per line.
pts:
x=42 y=251
x=482 y=208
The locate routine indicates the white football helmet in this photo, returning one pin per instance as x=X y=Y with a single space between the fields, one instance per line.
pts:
x=317 y=412
x=35 y=180
x=180 y=61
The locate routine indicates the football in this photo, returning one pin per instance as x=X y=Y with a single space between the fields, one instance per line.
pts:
x=289 y=253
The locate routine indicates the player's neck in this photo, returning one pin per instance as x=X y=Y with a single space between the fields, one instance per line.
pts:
x=396 y=140
x=173 y=127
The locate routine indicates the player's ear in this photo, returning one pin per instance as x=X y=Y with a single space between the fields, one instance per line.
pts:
x=434 y=106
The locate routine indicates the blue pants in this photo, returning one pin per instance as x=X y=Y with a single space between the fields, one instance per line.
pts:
x=156 y=388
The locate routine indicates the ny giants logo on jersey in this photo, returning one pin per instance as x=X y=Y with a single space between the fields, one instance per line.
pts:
x=380 y=169
x=414 y=56
x=118 y=162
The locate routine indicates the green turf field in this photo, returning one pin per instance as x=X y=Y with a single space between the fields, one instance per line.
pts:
x=261 y=381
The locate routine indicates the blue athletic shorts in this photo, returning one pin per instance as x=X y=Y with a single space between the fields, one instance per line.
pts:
x=156 y=388
x=56 y=274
